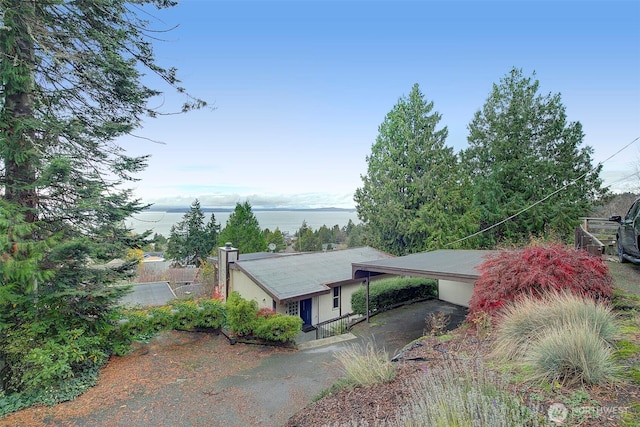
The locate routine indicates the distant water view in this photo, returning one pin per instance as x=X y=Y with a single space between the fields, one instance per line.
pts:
x=288 y=221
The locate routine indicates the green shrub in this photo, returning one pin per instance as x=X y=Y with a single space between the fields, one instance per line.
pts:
x=278 y=327
x=160 y=318
x=241 y=314
x=186 y=315
x=366 y=364
x=212 y=314
x=462 y=393
x=133 y=324
x=388 y=292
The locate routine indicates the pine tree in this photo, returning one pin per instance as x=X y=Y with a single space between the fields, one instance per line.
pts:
x=243 y=230
x=71 y=85
x=413 y=197
x=190 y=240
x=521 y=150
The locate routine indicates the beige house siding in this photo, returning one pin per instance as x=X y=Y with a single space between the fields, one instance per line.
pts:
x=325 y=309
x=321 y=305
x=347 y=291
x=249 y=290
x=455 y=292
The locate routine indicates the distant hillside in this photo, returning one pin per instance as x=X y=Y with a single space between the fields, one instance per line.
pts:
x=184 y=209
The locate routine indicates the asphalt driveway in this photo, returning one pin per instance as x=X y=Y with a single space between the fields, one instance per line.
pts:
x=286 y=382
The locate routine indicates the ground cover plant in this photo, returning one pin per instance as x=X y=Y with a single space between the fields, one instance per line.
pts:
x=461 y=392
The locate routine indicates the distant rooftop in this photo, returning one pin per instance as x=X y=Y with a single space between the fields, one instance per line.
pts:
x=148 y=294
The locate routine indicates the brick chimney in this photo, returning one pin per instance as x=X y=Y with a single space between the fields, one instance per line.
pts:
x=226 y=255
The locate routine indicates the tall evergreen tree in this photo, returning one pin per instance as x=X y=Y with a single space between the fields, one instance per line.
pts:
x=521 y=150
x=71 y=85
x=190 y=240
x=276 y=237
x=307 y=240
x=243 y=230
x=412 y=198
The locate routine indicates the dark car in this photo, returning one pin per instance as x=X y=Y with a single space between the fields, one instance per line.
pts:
x=628 y=234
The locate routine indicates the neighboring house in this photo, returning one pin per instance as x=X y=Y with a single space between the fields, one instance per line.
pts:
x=316 y=286
x=148 y=294
x=153 y=256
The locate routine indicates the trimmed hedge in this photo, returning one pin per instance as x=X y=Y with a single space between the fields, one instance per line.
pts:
x=386 y=293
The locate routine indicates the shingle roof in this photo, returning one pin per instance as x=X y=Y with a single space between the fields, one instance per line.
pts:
x=446 y=264
x=307 y=274
x=148 y=294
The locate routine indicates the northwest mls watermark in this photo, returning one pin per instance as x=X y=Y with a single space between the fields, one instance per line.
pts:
x=559 y=412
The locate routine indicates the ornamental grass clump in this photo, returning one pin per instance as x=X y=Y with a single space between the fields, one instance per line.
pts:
x=571 y=354
x=365 y=364
x=525 y=320
x=558 y=337
x=462 y=393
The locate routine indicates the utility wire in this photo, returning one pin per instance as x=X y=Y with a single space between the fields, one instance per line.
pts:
x=544 y=198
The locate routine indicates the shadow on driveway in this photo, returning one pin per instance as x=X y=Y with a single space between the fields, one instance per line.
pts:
x=285 y=383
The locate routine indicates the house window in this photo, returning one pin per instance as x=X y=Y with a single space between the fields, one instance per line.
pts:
x=293 y=308
x=336 y=297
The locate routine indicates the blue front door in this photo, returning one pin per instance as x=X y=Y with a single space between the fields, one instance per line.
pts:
x=305 y=311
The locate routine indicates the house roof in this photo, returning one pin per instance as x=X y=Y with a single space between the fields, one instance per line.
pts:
x=445 y=264
x=148 y=294
x=250 y=256
x=296 y=276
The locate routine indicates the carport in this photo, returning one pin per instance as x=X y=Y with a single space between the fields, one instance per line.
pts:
x=455 y=270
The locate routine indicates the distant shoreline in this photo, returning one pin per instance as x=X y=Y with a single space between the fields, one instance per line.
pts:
x=184 y=209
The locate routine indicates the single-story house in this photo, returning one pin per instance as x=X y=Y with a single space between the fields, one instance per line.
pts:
x=316 y=286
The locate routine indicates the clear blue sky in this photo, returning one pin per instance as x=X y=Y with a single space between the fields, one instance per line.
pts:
x=300 y=87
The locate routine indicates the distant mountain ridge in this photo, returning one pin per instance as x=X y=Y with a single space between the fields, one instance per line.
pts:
x=184 y=209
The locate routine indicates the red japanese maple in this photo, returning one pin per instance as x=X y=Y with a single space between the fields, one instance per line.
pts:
x=535 y=270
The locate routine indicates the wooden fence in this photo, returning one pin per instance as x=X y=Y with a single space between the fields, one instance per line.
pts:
x=597 y=236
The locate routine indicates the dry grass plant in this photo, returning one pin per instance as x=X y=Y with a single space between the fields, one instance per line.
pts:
x=527 y=319
x=571 y=354
x=366 y=364
x=560 y=337
x=436 y=323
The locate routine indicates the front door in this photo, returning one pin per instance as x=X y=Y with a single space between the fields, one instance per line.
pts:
x=305 y=311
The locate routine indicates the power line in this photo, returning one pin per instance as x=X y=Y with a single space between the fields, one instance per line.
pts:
x=544 y=198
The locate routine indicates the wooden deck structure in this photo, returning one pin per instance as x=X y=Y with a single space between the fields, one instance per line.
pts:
x=597 y=236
